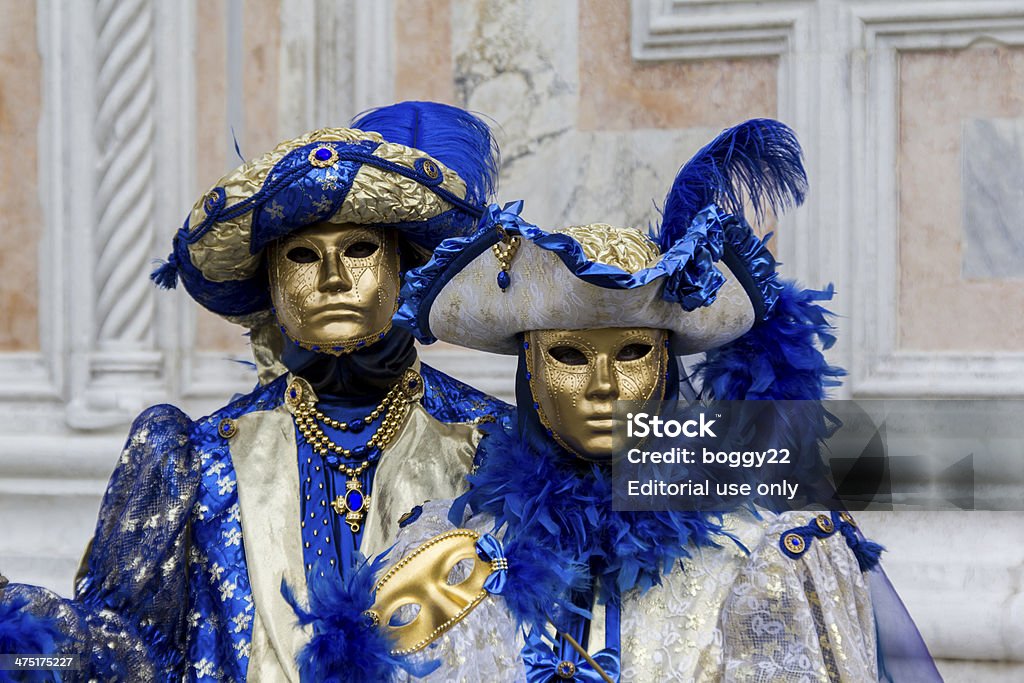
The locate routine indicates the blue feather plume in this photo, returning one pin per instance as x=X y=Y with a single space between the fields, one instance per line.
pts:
x=453 y=136
x=345 y=647
x=780 y=357
x=760 y=159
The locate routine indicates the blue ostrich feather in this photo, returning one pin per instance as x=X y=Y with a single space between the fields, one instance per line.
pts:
x=456 y=138
x=759 y=159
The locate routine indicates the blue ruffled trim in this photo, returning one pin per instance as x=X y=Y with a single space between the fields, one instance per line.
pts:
x=692 y=278
x=749 y=258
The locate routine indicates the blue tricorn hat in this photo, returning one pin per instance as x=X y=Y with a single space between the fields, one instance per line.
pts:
x=428 y=173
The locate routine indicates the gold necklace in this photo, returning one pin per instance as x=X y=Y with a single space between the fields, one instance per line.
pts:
x=394 y=407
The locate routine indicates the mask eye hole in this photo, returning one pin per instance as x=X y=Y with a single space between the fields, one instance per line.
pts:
x=303 y=255
x=567 y=355
x=361 y=249
x=633 y=352
x=404 y=615
x=461 y=571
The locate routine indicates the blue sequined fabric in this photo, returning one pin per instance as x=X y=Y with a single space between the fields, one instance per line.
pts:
x=165 y=592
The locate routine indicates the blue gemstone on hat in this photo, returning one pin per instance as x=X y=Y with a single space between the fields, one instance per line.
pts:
x=359 y=452
x=323 y=154
x=504 y=280
x=356 y=426
x=354 y=501
x=528 y=376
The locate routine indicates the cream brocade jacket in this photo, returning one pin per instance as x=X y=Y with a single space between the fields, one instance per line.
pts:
x=724 y=616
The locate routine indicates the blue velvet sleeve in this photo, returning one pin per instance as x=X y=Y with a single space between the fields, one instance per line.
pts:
x=127 y=619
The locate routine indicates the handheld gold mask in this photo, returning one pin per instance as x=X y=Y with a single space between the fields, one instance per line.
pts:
x=576 y=376
x=430 y=590
x=335 y=287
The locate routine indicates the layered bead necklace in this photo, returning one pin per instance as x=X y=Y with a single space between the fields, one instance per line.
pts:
x=391 y=411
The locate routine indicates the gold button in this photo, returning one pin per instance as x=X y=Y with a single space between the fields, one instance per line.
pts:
x=824 y=523
x=227 y=428
x=565 y=669
x=430 y=169
x=847 y=517
x=794 y=543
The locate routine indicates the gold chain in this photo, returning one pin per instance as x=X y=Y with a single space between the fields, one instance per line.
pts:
x=393 y=407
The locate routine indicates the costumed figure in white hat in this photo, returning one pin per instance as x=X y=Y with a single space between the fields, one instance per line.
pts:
x=532 y=575
x=205 y=521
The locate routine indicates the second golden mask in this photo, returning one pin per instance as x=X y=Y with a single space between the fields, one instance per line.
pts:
x=335 y=287
x=577 y=375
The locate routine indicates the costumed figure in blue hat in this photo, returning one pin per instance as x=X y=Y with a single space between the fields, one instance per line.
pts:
x=206 y=521
x=532 y=575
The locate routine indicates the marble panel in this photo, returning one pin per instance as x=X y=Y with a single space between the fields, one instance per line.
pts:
x=993 y=198
x=20 y=109
x=940 y=309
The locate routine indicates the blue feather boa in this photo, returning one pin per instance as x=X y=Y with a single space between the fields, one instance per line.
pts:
x=779 y=359
x=564 y=507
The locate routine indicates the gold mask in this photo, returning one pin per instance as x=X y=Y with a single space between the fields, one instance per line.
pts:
x=335 y=287
x=444 y=577
x=576 y=376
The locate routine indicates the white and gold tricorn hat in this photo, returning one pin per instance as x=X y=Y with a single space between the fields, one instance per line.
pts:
x=705 y=277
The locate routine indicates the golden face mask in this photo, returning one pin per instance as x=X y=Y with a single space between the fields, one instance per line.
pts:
x=576 y=376
x=335 y=287
x=430 y=590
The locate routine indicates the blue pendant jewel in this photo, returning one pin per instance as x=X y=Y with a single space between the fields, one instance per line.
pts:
x=352 y=504
x=504 y=280
x=356 y=426
x=354 y=500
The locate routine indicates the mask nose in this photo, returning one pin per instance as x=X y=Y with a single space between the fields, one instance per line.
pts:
x=334 y=275
x=602 y=384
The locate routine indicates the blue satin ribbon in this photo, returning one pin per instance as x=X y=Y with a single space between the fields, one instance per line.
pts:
x=507 y=216
x=489 y=549
x=542 y=663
